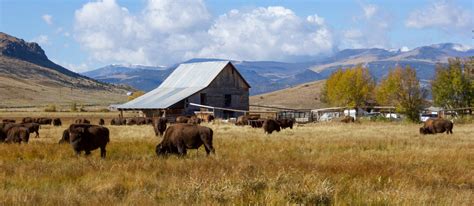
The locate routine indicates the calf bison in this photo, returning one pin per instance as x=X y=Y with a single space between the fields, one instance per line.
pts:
x=270 y=125
x=348 y=119
x=433 y=126
x=159 y=125
x=87 y=137
x=57 y=122
x=182 y=119
x=180 y=137
x=82 y=121
x=101 y=122
x=18 y=134
x=286 y=122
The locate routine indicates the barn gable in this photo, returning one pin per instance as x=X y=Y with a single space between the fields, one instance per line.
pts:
x=185 y=82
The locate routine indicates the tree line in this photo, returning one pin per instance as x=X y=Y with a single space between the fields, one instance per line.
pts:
x=452 y=87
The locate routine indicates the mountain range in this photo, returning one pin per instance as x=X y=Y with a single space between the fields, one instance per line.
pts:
x=29 y=78
x=268 y=76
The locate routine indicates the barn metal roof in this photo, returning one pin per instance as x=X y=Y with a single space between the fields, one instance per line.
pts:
x=185 y=80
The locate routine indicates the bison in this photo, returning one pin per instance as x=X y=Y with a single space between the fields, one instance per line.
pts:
x=43 y=121
x=32 y=127
x=180 y=137
x=439 y=125
x=270 y=125
x=256 y=123
x=194 y=120
x=82 y=121
x=101 y=122
x=17 y=134
x=87 y=137
x=117 y=121
x=348 y=119
x=159 y=126
x=286 y=122
x=57 y=122
x=182 y=119
x=28 y=120
x=8 y=121
x=65 y=138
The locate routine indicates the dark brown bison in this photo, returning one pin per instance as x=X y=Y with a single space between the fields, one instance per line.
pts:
x=439 y=125
x=8 y=121
x=194 y=120
x=256 y=123
x=65 y=138
x=182 y=119
x=141 y=120
x=210 y=118
x=17 y=134
x=101 y=122
x=118 y=121
x=32 y=127
x=130 y=121
x=44 y=121
x=180 y=137
x=270 y=125
x=28 y=120
x=159 y=125
x=82 y=121
x=57 y=122
x=3 y=132
x=87 y=137
x=348 y=119
x=286 y=123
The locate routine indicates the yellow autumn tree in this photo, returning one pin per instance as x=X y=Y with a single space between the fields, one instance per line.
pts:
x=401 y=88
x=351 y=87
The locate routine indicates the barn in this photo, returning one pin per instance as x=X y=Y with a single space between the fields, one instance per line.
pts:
x=215 y=84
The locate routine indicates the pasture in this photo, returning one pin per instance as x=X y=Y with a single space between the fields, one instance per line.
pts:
x=325 y=163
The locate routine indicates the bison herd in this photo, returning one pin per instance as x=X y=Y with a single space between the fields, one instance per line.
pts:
x=186 y=132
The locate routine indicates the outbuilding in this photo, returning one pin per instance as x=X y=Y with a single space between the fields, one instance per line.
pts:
x=213 y=84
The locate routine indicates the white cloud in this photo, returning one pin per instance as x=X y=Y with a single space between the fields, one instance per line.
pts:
x=441 y=15
x=370 y=29
x=41 y=40
x=267 y=33
x=167 y=31
x=48 y=19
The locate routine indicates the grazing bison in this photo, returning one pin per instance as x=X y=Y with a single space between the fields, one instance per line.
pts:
x=194 y=120
x=101 y=122
x=439 y=125
x=87 y=137
x=82 y=121
x=8 y=121
x=44 y=121
x=65 y=138
x=118 y=121
x=180 y=137
x=57 y=122
x=270 y=125
x=256 y=123
x=348 y=119
x=286 y=122
x=28 y=120
x=182 y=119
x=32 y=127
x=159 y=125
x=17 y=134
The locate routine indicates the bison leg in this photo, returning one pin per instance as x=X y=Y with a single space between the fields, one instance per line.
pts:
x=181 y=149
x=103 y=152
x=209 y=148
x=88 y=152
x=37 y=134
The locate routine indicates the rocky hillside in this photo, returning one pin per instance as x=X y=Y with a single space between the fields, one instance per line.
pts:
x=29 y=78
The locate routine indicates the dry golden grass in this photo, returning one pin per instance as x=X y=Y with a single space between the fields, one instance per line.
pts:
x=327 y=163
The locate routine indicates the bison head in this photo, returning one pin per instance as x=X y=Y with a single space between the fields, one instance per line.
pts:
x=424 y=130
x=76 y=134
x=161 y=150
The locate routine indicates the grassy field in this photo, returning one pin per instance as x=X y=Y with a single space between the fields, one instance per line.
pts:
x=325 y=163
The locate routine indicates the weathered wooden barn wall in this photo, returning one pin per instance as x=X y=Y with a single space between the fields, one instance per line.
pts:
x=229 y=83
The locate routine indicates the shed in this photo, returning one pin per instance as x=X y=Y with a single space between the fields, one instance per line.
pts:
x=214 y=83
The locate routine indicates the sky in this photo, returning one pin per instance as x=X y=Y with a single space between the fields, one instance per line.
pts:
x=85 y=35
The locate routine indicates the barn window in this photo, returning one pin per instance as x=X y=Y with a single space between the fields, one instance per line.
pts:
x=227 y=100
x=203 y=99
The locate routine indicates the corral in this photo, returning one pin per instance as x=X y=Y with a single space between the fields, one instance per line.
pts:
x=367 y=163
